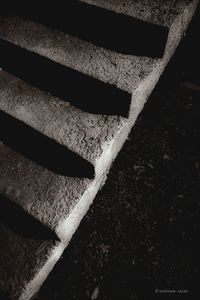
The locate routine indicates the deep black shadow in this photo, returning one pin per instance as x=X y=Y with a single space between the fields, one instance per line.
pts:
x=41 y=149
x=105 y=28
x=81 y=90
x=21 y=223
x=3 y=296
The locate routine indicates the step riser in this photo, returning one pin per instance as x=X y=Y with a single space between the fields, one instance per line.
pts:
x=80 y=90
x=85 y=21
x=85 y=134
x=12 y=216
x=41 y=149
x=140 y=96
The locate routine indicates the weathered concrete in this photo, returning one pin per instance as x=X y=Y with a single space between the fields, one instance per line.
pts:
x=109 y=34
x=154 y=11
x=23 y=261
x=52 y=198
x=61 y=202
x=124 y=71
x=88 y=135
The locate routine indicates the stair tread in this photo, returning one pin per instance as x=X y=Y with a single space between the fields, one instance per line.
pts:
x=88 y=135
x=51 y=196
x=47 y=196
x=154 y=11
x=123 y=71
x=108 y=34
x=21 y=259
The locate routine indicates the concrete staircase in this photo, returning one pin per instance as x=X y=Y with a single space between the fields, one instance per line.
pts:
x=69 y=97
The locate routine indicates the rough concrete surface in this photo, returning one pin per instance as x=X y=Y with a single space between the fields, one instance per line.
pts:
x=52 y=201
x=54 y=188
x=142 y=231
x=49 y=184
x=124 y=71
x=21 y=258
x=85 y=134
x=154 y=11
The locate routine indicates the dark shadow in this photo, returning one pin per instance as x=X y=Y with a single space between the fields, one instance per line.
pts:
x=81 y=90
x=4 y=296
x=105 y=28
x=15 y=218
x=42 y=150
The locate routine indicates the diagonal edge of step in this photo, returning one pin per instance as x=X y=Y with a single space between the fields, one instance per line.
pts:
x=143 y=91
x=52 y=197
x=124 y=72
x=87 y=135
x=24 y=262
x=62 y=81
x=63 y=188
x=14 y=217
x=32 y=115
x=177 y=30
x=41 y=149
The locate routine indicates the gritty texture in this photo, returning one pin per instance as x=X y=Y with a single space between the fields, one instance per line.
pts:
x=123 y=71
x=41 y=183
x=20 y=259
x=154 y=11
x=86 y=134
x=142 y=232
x=45 y=195
x=53 y=197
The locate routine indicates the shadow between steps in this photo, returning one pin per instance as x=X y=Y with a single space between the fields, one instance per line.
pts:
x=41 y=149
x=105 y=28
x=82 y=91
x=23 y=224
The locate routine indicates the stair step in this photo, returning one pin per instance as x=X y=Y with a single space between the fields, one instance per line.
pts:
x=55 y=200
x=155 y=11
x=120 y=71
x=52 y=197
x=82 y=91
x=83 y=138
x=60 y=202
x=41 y=149
x=149 y=39
x=25 y=262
